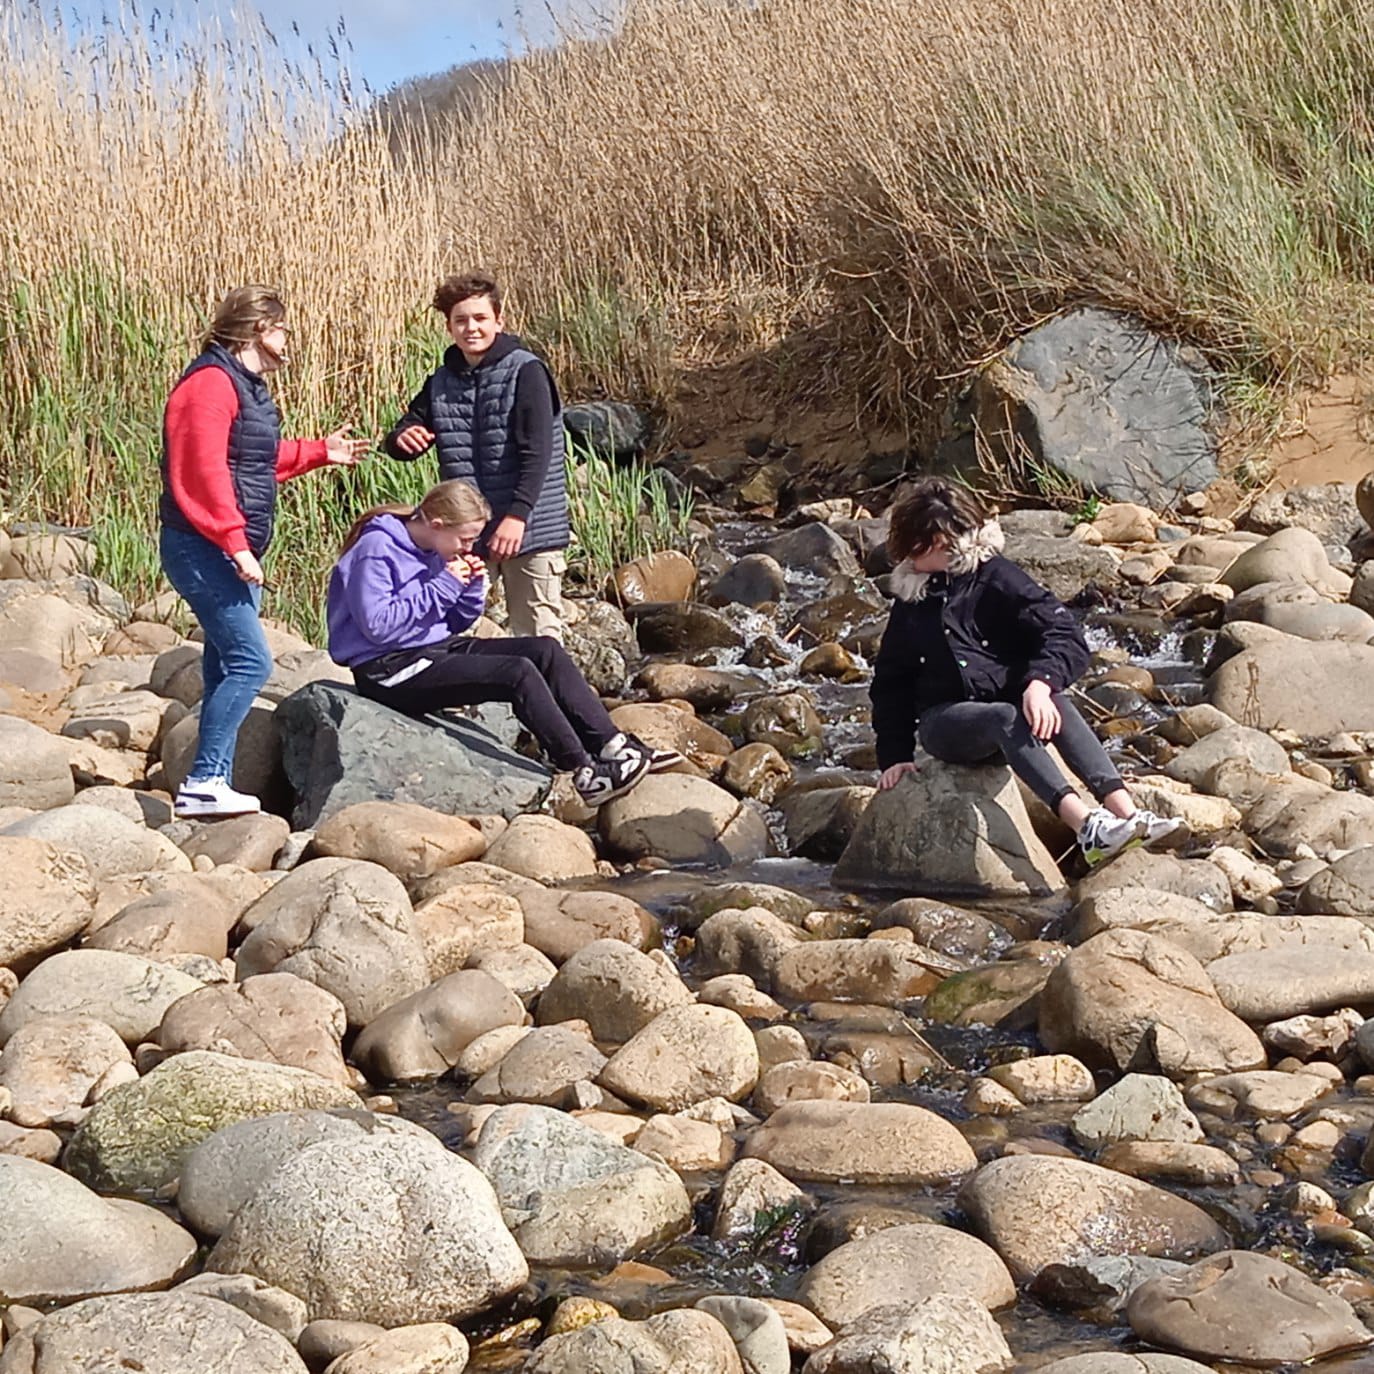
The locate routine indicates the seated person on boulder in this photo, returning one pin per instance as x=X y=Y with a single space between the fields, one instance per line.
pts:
x=405 y=587
x=975 y=662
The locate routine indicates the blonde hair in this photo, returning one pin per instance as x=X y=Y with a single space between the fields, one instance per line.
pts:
x=449 y=503
x=242 y=315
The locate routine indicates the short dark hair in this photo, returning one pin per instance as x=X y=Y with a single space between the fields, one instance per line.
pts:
x=464 y=287
x=929 y=507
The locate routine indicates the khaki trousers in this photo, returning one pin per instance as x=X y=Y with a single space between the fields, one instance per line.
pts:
x=533 y=584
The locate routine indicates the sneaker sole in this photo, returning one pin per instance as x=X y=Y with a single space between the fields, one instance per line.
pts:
x=211 y=812
x=664 y=764
x=1097 y=857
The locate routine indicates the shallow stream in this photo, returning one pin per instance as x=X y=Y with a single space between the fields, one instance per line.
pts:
x=772 y=1262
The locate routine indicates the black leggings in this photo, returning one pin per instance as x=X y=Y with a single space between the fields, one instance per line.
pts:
x=976 y=731
x=548 y=693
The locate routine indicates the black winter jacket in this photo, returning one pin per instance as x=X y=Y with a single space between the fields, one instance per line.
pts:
x=980 y=636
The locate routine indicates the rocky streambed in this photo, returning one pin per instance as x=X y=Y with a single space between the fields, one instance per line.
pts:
x=441 y=1082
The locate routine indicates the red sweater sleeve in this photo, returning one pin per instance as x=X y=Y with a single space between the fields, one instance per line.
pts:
x=295 y=456
x=200 y=411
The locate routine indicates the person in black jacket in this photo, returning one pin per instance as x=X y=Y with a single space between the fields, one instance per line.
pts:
x=976 y=660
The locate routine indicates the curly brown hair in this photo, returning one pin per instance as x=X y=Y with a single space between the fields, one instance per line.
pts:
x=928 y=508
x=464 y=287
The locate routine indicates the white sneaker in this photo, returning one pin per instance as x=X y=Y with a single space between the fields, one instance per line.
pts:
x=1103 y=836
x=626 y=745
x=1154 y=829
x=208 y=798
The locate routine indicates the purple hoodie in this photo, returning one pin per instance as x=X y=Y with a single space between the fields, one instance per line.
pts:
x=387 y=593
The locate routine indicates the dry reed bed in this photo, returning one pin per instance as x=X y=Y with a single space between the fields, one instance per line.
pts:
x=871 y=192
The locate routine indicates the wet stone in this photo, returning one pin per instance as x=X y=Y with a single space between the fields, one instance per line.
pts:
x=1247 y=1308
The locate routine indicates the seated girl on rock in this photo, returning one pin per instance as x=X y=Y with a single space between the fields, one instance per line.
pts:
x=975 y=662
x=407 y=584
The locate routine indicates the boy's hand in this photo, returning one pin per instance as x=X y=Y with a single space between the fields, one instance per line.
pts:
x=342 y=451
x=1042 y=715
x=414 y=439
x=892 y=776
x=506 y=538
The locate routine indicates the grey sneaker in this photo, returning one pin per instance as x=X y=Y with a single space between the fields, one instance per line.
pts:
x=1103 y=836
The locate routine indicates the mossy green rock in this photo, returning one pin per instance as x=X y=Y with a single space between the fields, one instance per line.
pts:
x=135 y=1138
x=994 y=995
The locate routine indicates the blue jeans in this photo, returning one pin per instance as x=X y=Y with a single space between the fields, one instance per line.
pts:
x=237 y=661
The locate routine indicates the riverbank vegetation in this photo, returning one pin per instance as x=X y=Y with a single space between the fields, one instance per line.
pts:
x=871 y=197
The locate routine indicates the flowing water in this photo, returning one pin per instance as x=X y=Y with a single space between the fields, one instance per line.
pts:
x=773 y=1261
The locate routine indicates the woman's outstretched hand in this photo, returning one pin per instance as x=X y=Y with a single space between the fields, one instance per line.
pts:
x=342 y=451
x=1042 y=715
x=892 y=776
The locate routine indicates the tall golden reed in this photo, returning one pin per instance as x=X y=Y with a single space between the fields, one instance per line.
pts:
x=869 y=194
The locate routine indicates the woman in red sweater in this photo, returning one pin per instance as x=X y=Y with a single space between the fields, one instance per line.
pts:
x=222 y=459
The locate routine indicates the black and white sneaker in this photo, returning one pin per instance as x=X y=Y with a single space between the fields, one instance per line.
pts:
x=606 y=779
x=625 y=745
x=212 y=799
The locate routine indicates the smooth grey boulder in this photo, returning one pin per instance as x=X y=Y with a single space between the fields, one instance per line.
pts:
x=612 y=429
x=63 y=1242
x=1128 y=1000
x=1246 y=1308
x=422 y=1035
x=684 y=820
x=573 y=1196
x=813 y=548
x=137 y=1136
x=1112 y=1362
x=415 y=1234
x=226 y=1169
x=154 y=1333
x=345 y=925
x=1141 y=1106
x=949 y=831
x=903 y=1264
x=1105 y=403
x=945 y=1333
x=35 y=770
x=48 y=898
x=680 y=1341
x=614 y=987
x=1036 y=1210
x=1321 y=691
x=50 y=1066
x=339 y=748
x=110 y=843
x=273 y=1307
x=756 y=1329
x=126 y=992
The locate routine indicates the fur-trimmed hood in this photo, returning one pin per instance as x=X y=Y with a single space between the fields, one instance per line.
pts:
x=967 y=552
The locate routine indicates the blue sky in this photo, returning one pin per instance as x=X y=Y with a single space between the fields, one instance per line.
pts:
x=396 y=39
x=391 y=39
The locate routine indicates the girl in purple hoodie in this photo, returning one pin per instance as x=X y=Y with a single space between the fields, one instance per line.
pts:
x=407 y=585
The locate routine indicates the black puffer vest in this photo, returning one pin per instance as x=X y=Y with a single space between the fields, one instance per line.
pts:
x=471 y=414
x=253 y=439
